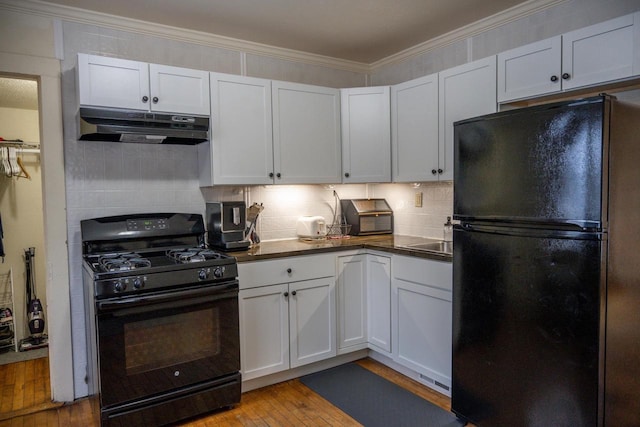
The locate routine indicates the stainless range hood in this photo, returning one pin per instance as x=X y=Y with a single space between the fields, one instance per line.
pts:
x=107 y=124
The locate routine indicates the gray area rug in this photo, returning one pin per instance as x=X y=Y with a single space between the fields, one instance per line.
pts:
x=374 y=401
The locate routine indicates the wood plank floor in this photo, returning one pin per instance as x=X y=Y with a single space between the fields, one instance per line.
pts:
x=286 y=404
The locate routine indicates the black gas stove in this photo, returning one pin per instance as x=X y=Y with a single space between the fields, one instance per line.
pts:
x=141 y=253
x=162 y=319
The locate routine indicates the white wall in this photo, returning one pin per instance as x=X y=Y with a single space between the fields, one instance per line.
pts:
x=283 y=204
x=425 y=221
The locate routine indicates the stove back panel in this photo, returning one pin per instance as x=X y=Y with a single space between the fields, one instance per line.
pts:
x=137 y=232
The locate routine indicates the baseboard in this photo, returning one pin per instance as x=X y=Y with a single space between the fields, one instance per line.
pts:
x=410 y=373
x=303 y=370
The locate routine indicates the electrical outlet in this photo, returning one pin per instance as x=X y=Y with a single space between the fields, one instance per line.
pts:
x=418 y=200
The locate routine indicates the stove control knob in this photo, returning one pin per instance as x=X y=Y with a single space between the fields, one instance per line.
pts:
x=137 y=283
x=119 y=286
x=218 y=272
x=203 y=274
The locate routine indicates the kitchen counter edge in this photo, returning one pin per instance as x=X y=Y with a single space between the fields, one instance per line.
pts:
x=395 y=244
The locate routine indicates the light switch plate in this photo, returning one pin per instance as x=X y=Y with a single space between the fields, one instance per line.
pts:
x=418 y=199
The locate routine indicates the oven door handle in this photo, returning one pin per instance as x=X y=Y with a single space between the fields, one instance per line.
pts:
x=173 y=299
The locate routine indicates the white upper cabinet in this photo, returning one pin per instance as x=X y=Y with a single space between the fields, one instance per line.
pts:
x=600 y=53
x=120 y=83
x=113 y=82
x=306 y=134
x=589 y=56
x=414 y=127
x=181 y=90
x=241 y=148
x=266 y=132
x=366 y=137
x=465 y=91
x=530 y=70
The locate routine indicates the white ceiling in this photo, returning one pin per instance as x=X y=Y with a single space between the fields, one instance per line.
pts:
x=18 y=93
x=358 y=30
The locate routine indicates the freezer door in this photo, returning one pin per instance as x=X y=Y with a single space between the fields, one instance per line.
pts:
x=526 y=322
x=539 y=164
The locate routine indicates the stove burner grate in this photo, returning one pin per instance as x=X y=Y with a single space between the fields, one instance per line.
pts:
x=189 y=255
x=123 y=262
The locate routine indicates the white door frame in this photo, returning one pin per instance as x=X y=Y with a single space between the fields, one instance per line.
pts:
x=47 y=72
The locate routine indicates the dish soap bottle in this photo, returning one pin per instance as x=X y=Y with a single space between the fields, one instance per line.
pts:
x=448 y=230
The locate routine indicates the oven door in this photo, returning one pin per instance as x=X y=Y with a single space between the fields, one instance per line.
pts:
x=157 y=343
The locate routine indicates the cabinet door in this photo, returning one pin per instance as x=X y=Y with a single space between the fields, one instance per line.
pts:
x=113 y=82
x=352 y=302
x=306 y=134
x=414 y=127
x=264 y=330
x=366 y=137
x=241 y=148
x=599 y=53
x=179 y=90
x=312 y=321
x=422 y=330
x=465 y=91
x=379 y=302
x=531 y=70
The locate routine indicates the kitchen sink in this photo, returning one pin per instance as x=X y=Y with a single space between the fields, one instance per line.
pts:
x=437 y=247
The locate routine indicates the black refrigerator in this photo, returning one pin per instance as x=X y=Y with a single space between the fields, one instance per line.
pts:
x=546 y=267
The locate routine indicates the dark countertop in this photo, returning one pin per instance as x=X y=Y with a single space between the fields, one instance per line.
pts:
x=386 y=243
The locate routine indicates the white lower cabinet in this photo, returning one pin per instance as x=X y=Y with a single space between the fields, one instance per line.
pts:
x=351 y=292
x=304 y=309
x=312 y=321
x=421 y=318
x=286 y=325
x=379 y=303
x=264 y=330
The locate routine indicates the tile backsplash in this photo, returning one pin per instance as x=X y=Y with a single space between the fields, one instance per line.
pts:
x=284 y=204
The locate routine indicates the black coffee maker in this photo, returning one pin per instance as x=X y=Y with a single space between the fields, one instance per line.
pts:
x=226 y=222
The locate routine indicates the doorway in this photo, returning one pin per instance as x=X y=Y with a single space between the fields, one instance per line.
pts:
x=21 y=218
x=47 y=72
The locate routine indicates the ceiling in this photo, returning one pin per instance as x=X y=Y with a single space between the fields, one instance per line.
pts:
x=18 y=93
x=364 y=31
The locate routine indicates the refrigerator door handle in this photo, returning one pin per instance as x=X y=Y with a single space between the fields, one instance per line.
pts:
x=558 y=224
x=529 y=232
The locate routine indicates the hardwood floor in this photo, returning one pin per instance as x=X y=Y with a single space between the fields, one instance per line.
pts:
x=286 y=404
x=25 y=388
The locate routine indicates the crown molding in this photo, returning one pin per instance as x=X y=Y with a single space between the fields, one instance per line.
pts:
x=73 y=14
x=501 y=18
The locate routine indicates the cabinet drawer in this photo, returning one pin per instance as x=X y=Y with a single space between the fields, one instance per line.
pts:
x=438 y=274
x=262 y=273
